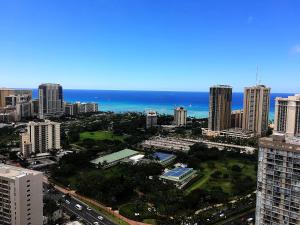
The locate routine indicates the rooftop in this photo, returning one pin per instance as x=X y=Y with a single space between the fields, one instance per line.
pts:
x=221 y=86
x=177 y=172
x=13 y=172
x=162 y=156
x=116 y=156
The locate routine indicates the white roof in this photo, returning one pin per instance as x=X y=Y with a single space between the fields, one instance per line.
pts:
x=137 y=157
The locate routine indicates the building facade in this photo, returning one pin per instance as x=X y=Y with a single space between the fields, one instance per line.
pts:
x=256 y=109
x=50 y=100
x=40 y=137
x=21 y=196
x=180 y=115
x=151 y=119
x=278 y=181
x=237 y=119
x=287 y=115
x=220 y=99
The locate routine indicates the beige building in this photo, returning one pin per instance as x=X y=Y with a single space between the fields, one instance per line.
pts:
x=256 y=109
x=21 y=196
x=4 y=92
x=40 y=137
x=220 y=108
x=287 y=115
x=180 y=115
x=278 y=181
x=151 y=119
x=237 y=119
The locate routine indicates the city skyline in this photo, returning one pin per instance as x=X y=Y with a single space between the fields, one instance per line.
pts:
x=178 y=46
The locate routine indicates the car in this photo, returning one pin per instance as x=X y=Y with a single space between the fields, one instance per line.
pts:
x=88 y=208
x=79 y=207
x=96 y=223
x=100 y=217
x=68 y=202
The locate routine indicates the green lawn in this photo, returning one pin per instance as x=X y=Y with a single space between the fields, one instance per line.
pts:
x=100 y=136
x=207 y=181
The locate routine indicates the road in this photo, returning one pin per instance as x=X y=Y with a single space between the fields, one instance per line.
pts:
x=89 y=216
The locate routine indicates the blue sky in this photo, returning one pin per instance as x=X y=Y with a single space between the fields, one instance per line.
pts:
x=184 y=45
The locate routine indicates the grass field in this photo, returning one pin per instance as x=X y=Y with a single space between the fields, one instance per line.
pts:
x=207 y=181
x=100 y=136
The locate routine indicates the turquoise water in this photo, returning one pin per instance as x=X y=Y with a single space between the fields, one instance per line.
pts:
x=162 y=101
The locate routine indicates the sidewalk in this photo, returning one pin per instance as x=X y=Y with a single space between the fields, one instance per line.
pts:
x=95 y=203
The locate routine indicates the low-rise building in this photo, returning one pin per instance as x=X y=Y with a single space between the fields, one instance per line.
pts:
x=179 y=176
x=112 y=159
x=164 y=158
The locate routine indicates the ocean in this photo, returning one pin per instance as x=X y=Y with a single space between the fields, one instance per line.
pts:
x=196 y=103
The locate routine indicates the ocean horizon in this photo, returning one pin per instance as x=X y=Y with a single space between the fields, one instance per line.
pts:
x=164 y=102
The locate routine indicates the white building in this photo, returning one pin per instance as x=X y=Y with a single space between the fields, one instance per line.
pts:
x=180 y=115
x=21 y=196
x=278 y=181
x=40 y=137
x=151 y=119
x=287 y=115
x=88 y=107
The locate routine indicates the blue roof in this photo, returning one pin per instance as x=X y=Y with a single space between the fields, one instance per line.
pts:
x=162 y=156
x=177 y=172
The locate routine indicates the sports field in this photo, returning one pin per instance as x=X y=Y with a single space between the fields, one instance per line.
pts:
x=100 y=136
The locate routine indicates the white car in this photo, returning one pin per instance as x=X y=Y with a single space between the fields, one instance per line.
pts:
x=96 y=223
x=89 y=209
x=100 y=217
x=68 y=202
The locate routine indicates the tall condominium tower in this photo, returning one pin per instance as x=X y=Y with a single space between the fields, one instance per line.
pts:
x=40 y=137
x=180 y=115
x=50 y=100
x=220 y=108
x=278 y=181
x=21 y=196
x=151 y=119
x=287 y=115
x=256 y=109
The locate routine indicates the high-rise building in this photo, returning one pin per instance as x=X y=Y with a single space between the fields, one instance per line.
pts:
x=237 y=119
x=256 y=109
x=151 y=119
x=88 y=107
x=41 y=136
x=21 y=196
x=50 y=100
x=180 y=115
x=34 y=107
x=287 y=115
x=5 y=92
x=278 y=181
x=220 y=107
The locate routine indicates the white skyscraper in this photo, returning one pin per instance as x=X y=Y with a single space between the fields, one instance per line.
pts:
x=21 y=196
x=180 y=115
x=287 y=115
x=278 y=181
x=151 y=119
